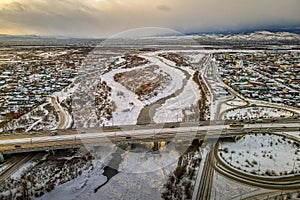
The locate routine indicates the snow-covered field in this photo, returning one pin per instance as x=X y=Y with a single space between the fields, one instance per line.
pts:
x=128 y=106
x=257 y=113
x=263 y=154
x=173 y=109
x=195 y=57
x=146 y=83
x=176 y=74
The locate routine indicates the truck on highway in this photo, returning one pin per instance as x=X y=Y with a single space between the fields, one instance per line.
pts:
x=236 y=125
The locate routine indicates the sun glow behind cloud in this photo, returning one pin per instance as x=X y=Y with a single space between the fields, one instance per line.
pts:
x=105 y=17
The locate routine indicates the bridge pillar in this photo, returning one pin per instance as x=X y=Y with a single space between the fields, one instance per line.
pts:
x=132 y=146
x=156 y=146
x=1 y=158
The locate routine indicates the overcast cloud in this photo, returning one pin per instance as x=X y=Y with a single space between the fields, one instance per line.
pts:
x=101 y=18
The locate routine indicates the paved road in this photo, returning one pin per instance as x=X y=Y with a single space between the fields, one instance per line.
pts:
x=176 y=133
x=205 y=185
x=63 y=118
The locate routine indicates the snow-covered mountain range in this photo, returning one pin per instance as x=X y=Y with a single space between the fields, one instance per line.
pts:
x=256 y=36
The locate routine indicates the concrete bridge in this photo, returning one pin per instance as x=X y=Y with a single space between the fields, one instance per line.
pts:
x=132 y=134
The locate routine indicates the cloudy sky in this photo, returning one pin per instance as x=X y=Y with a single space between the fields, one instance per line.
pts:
x=102 y=18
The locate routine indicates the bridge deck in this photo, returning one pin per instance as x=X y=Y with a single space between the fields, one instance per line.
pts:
x=71 y=138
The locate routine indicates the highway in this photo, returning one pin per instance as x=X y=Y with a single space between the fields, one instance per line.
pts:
x=94 y=136
x=204 y=190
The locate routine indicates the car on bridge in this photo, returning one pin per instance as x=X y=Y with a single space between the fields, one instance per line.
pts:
x=236 y=125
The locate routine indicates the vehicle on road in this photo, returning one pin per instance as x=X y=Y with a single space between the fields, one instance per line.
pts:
x=236 y=125
x=259 y=121
x=53 y=133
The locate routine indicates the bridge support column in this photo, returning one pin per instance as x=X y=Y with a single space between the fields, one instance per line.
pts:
x=156 y=146
x=1 y=158
x=132 y=146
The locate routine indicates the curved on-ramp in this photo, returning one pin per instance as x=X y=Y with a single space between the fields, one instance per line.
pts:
x=274 y=183
x=63 y=117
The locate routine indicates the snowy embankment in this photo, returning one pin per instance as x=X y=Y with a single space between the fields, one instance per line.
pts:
x=21 y=170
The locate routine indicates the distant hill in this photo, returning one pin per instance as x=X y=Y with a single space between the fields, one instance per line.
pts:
x=19 y=36
x=251 y=39
x=256 y=36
